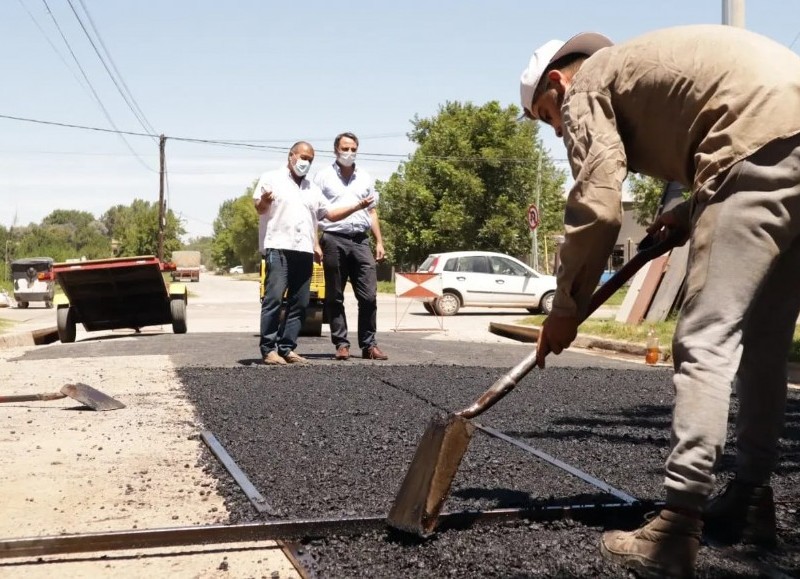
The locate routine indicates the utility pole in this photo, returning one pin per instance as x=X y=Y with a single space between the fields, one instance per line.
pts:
x=162 y=143
x=733 y=12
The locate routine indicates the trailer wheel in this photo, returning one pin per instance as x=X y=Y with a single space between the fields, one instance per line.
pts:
x=177 y=307
x=65 y=320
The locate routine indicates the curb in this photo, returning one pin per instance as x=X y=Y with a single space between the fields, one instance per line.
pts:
x=31 y=338
x=530 y=334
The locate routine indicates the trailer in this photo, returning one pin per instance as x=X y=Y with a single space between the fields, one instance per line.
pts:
x=118 y=293
x=187 y=265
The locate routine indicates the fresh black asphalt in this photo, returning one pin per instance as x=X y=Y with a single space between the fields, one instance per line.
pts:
x=335 y=438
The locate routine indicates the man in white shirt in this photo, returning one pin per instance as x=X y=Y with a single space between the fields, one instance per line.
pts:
x=289 y=207
x=346 y=250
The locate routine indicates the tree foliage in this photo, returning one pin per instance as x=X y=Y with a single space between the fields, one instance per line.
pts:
x=468 y=185
x=646 y=192
x=135 y=229
x=71 y=234
x=236 y=233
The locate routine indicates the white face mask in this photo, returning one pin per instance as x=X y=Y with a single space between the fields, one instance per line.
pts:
x=301 y=167
x=346 y=159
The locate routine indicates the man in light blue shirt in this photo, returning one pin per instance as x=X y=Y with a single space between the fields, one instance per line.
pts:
x=346 y=249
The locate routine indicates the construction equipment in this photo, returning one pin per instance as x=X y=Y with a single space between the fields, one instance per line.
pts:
x=31 y=282
x=124 y=292
x=315 y=312
x=445 y=441
x=83 y=393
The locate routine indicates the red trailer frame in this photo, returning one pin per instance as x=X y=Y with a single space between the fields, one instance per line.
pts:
x=125 y=292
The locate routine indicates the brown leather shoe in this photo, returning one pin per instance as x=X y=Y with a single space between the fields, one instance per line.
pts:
x=342 y=352
x=294 y=358
x=373 y=353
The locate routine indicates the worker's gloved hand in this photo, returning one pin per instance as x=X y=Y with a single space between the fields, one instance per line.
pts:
x=557 y=333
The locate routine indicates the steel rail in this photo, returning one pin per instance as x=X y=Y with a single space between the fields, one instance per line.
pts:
x=293 y=529
x=256 y=498
x=595 y=482
x=292 y=550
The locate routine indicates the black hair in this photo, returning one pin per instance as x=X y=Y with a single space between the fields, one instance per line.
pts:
x=341 y=136
x=569 y=62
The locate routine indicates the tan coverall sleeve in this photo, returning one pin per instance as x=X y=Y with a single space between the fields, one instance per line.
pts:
x=593 y=213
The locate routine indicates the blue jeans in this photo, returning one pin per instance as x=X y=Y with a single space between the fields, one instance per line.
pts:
x=287 y=272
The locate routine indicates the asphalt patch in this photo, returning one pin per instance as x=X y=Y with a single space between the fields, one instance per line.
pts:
x=336 y=440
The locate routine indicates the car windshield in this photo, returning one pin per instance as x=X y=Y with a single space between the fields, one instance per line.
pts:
x=427 y=263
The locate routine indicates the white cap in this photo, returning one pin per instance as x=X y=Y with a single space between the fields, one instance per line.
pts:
x=584 y=43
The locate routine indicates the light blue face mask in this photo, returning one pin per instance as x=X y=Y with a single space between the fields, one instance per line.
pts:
x=301 y=167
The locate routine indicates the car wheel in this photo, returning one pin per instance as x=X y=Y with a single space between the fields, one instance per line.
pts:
x=546 y=305
x=22 y=305
x=65 y=322
x=429 y=308
x=448 y=304
x=48 y=305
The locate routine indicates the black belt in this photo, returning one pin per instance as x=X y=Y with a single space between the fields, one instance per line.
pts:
x=359 y=235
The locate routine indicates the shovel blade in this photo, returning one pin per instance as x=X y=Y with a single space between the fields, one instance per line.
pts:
x=430 y=475
x=91 y=397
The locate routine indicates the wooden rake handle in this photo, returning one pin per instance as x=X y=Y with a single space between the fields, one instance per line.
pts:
x=648 y=249
x=32 y=397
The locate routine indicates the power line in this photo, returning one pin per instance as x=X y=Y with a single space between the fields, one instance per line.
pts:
x=377 y=157
x=94 y=92
x=125 y=94
x=55 y=49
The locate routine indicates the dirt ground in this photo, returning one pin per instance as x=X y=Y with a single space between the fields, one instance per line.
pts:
x=68 y=469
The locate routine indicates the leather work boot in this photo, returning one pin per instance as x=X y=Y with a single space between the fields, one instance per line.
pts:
x=273 y=359
x=343 y=352
x=293 y=358
x=373 y=353
x=664 y=547
x=742 y=513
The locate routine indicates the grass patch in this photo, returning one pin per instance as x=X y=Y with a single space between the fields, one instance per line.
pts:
x=386 y=287
x=614 y=330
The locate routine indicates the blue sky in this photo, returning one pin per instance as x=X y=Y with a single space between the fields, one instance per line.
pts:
x=274 y=72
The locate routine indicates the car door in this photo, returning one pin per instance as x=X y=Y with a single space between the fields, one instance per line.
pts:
x=469 y=275
x=511 y=282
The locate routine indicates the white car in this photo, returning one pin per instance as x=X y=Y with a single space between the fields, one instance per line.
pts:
x=236 y=269
x=487 y=279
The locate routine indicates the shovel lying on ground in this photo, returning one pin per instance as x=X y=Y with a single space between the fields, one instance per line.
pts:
x=83 y=393
x=444 y=443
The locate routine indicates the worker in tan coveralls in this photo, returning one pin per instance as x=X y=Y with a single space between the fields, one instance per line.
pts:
x=717 y=109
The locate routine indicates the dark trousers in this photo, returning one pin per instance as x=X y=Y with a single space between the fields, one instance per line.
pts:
x=289 y=272
x=350 y=258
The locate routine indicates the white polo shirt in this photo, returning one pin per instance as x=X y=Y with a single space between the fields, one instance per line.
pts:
x=340 y=192
x=291 y=220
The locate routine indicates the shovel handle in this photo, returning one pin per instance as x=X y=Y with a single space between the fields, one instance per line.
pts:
x=32 y=397
x=649 y=249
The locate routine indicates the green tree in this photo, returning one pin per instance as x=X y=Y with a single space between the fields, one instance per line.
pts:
x=62 y=235
x=203 y=245
x=468 y=185
x=135 y=229
x=646 y=192
x=236 y=233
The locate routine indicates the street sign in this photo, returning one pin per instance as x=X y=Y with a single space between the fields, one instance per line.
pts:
x=533 y=216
